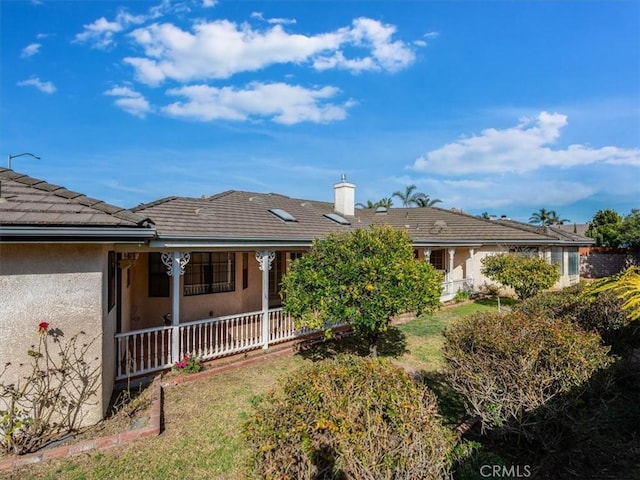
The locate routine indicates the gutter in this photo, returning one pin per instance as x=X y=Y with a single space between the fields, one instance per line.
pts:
x=248 y=243
x=19 y=234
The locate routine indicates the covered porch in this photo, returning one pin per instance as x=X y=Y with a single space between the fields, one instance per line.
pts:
x=245 y=279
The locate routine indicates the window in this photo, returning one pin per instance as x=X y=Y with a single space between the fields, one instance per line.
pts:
x=437 y=259
x=245 y=270
x=574 y=261
x=295 y=255
x=210 y=272
x=275 y=276
x=112 y=270
x=557 y=257
x=158 y=278
x=525 y=251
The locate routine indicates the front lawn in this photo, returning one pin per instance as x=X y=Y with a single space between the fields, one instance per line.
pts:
x=203 y=419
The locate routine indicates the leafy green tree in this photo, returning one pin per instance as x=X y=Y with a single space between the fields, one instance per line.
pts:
x=605 y=228
x=526 y=275
x=630 y=229
x=361 y=278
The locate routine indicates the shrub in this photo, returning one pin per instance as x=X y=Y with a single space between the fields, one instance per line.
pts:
x=601 y=313
x=349 y=418
x=526 y=275
x=462 y=295
x=48 y=401
x=520 y=373
x=188 y=364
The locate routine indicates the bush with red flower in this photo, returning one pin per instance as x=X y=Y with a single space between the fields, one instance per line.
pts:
x=188 y=364
x=48 y=400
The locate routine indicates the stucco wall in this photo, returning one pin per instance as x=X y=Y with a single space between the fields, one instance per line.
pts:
x=62 y=285
x=480 y=279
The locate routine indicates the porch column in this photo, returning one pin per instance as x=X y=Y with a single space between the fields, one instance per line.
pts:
x=471 y=255
x=265 y=258
x=452 y=252
x=175 y=263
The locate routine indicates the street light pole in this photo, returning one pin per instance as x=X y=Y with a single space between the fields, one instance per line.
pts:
x=9 y=157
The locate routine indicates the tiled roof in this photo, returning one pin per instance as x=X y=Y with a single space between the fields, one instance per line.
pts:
x=27 y=201
x=245 y=215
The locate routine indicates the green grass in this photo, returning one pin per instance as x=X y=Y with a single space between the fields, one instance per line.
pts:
x=424 y=335
x=203 y=419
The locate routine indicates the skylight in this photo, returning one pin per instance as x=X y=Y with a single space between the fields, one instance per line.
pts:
x=337 y=218
x=283 y=215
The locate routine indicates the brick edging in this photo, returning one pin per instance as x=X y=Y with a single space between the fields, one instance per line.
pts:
x=229 y=366
x=101 y=443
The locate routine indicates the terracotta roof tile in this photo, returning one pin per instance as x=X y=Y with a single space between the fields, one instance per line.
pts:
x=29 y=201
x=245 y=215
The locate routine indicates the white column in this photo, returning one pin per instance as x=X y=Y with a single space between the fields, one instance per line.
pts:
x=427 y=254
x=452 y=252
x=175 y=263
x=265 y=258
x=472 y=267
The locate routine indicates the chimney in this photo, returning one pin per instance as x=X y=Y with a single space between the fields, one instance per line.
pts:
x=344 y=194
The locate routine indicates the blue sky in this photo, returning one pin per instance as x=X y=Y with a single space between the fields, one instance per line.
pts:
x=504 y=107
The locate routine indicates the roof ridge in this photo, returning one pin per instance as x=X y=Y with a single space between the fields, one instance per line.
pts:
x=216 y=196
x=154 y=203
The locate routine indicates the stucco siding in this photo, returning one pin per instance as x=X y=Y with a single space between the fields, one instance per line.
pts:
x=59 y=284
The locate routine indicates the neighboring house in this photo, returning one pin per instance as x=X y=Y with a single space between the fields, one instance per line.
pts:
x=202 y=275
x=58 y=265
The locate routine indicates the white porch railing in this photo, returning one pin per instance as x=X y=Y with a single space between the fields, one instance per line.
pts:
x=144 y=351
x=450 y=288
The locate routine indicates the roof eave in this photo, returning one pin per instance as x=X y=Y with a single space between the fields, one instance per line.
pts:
x=75 y=234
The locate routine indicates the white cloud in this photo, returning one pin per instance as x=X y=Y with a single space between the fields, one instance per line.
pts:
x=420 y=43
x=432 y=35
x=100 y=33
x=281 y=21
x=130 y=101
x=44 y=87
x=523 y=148
x=376 y=38
x=282 y=103
x=220 y=49
x=30 y=50
x=209 y=3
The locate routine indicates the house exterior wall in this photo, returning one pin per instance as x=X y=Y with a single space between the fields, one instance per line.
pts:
x=64 y=286
x=480 y=280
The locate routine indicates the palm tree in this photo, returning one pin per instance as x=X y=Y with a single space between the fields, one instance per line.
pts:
x=369 y=204
x=555 y=220
x=385 y=202
x=547 y=217
x=410 y=198
x=425 y=201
